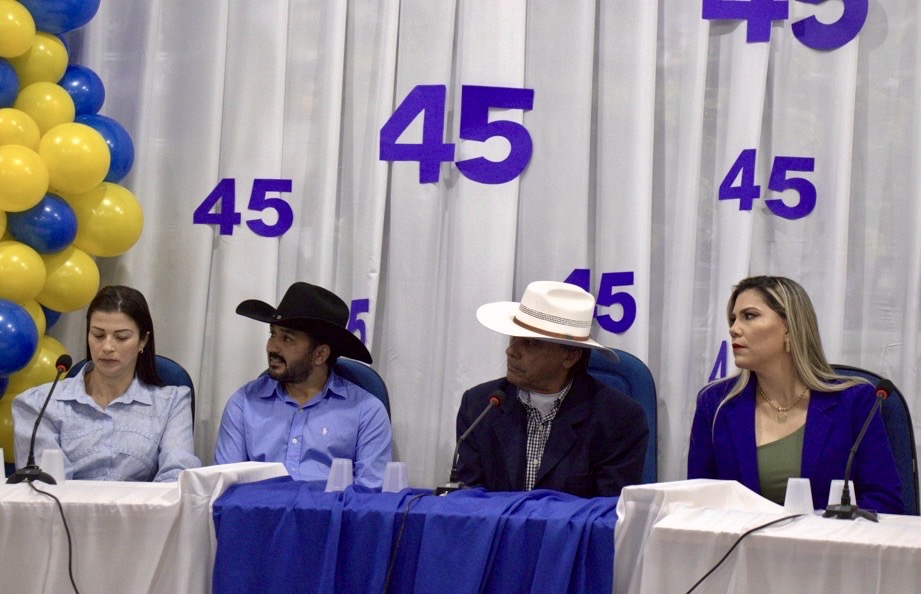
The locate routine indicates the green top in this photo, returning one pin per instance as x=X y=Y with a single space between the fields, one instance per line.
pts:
x=778 y=461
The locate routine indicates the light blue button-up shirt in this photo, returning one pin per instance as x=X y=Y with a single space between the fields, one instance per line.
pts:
x=143 y=435
x=262 y=423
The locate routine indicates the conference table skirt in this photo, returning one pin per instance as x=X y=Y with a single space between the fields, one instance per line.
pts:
x=282 y=535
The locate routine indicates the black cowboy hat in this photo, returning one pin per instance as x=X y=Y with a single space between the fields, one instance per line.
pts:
x=314 y=310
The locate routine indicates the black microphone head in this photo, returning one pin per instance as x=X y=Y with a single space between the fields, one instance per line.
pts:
x=884 y=388
x=496 y=397
x=63 y=363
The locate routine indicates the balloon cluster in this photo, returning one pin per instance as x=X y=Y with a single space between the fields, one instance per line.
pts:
x=61 y=204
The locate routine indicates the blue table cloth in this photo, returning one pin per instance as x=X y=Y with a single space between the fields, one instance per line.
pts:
x=283 y=535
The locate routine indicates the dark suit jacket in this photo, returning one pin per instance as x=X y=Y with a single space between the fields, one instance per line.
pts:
x=597 y=441
x=727 y=449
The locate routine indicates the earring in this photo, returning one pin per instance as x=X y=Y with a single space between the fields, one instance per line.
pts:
x=786 y=343
x=141 y=352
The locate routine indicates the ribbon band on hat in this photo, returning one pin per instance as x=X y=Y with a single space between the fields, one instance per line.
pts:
x=547 y=332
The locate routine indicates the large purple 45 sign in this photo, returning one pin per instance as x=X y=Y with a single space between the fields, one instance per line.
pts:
x=609 y=296
x=759 y=14
x=476 y=101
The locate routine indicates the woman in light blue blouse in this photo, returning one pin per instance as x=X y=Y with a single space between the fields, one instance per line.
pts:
x=114 y=420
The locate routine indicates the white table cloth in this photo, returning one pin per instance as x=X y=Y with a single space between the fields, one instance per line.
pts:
x=127 y=537
x=669 y=535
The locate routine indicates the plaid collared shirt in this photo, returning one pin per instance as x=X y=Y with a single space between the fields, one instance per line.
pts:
x=538 y=433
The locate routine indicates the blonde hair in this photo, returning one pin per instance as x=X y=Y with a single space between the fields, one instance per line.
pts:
x=791 y=302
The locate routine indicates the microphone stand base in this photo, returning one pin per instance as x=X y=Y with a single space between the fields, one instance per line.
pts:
x=849 y=512
x=449 y=488
x=30 y=473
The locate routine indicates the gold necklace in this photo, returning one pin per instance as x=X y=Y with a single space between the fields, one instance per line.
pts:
x=781 y=415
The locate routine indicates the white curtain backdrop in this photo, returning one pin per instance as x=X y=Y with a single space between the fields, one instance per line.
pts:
x=640 y=111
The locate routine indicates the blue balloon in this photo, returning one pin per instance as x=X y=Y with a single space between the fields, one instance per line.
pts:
x=51 y=317
x=4 y=382
x=18 y=337
x=48 y=227
x=9 y=83
x=85 y=88
x=121 y=148
x=60 y=16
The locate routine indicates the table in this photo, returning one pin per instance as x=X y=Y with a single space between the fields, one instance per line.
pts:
x=127 y=537
x=283 y=535
x=685 y=538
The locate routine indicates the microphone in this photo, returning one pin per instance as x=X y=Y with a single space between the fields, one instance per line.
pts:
x=845 y=510
x=31 y=472
x=495 y=399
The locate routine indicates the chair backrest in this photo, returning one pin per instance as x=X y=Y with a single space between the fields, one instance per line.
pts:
x=897 y=419
x=364 y=376
x=633 y=378
x=172 y=374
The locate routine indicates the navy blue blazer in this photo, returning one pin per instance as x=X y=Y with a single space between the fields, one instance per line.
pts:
x=726 y=449
x=597 y=442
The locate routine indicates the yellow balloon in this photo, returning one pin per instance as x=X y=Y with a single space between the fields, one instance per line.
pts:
x=2 y=223
x=18 y=127
x=22 y=271
x=48 y=104
x=6 y=426
x=40 y=369
x=17 y=29
x=77 y=157
x=71 y=282
x=38 y=314
x=109 y=220
x=45 y=61
x=24 y=178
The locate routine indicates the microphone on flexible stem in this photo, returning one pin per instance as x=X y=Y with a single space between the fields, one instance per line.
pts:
x=845 y=510
x=495 y=399
x=31 y=472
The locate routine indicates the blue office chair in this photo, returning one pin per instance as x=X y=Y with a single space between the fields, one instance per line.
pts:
x=901 y=436
x=632 y=377
x=364 y=376
x=170 y=372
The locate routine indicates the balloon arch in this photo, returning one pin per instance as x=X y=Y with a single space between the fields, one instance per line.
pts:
x=61 y=202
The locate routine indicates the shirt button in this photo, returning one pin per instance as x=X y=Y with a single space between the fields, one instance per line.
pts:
x=294 y=440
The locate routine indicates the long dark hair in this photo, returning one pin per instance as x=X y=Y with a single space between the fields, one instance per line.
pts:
x=121 y=299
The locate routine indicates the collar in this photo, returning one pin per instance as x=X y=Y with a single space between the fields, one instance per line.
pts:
x=74 y=388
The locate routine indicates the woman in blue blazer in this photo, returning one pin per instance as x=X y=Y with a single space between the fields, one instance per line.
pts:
x=787 y=413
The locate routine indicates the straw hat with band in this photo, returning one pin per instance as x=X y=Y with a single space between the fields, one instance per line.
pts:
x=314 y=310
x=549 y=310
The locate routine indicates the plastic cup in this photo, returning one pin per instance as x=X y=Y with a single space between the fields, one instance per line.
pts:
x=340 y=475
x=834 y=492
x=798 y=499
x=52 y=462
x=395 y=478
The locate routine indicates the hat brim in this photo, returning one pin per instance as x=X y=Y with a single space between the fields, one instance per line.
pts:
x=500 y=317
x=343 y=342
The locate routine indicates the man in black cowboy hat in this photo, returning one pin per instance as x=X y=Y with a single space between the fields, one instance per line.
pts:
x=555 y=426
x=300 y=413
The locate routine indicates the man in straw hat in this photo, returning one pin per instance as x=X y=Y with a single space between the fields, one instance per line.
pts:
x=300 y=413
x=555 y=426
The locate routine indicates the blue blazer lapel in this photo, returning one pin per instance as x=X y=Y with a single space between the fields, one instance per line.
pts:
x=740 y=424
x=818 y=425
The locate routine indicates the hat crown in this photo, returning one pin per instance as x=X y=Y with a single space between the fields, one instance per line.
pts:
x=557 y=309
x=303 y=300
